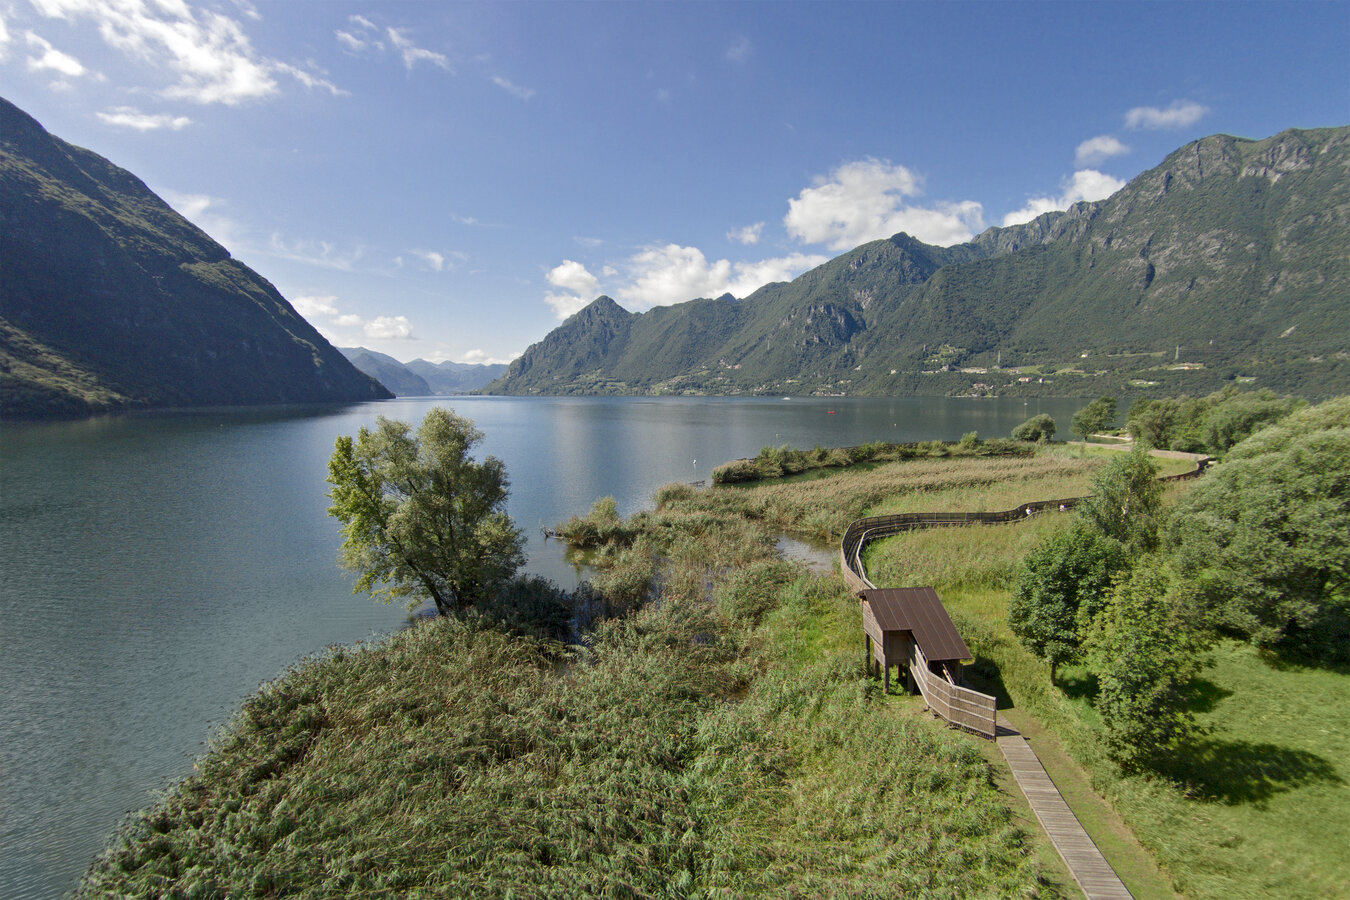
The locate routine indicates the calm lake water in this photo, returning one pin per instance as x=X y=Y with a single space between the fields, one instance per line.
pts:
x=158 y=568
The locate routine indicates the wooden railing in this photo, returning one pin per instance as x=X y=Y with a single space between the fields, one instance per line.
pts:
x=860 y=531
x=956 y=703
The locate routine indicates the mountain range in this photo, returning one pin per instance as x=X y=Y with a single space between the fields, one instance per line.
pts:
x=420 y=378
x=111 y=300
x=1227 y=262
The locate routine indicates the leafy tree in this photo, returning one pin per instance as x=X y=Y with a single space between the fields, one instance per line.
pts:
x=1094 y=417
x=1153 y=422
x=419 y=517
x=1039 y=428
x=1266 y=535
x=1061 y=586
x=1145 y=656
x=1240 y=415
x=1126 y=500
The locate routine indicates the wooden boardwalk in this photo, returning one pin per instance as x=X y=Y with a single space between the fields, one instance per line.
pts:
x=1090 y=869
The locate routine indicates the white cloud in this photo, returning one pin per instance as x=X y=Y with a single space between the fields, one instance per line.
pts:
x=316 y=253
x=663 y=275
x=310 y=80
x=579 y=287
x=4 y=37
x=1178 y=114
x=130 y=117
x=739 y=50
x=315 y=305
x=864 y=201
x=515 y=90
x=434 y=260
x=413 y=54
x=478 y=357
x=751 y=276
x=388 y=328
x=49 y=59
x=204 y=211
x=669 y=274
x=571 y=275
x=1098 y=149
x=748 y=235
x=1085 y=184
x=209 y=53
x=344 y=329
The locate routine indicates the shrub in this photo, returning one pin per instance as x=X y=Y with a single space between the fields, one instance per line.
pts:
x=736 y=471
x=1039 y=428
x=1145 y=656
x=1060 y=588
x=1266 y=536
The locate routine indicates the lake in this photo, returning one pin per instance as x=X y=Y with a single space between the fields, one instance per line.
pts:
x=158 y=567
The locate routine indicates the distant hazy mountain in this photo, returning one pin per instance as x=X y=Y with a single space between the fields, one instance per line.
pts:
x=111 y=300
x=420 y=378
x=388 y=371
x=1226 y=262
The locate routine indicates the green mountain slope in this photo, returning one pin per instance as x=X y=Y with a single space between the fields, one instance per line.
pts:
x=109 y=299
x=1226 y=262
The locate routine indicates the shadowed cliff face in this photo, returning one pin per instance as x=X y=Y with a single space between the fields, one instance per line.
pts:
x=109 y=299
x=1230 y=249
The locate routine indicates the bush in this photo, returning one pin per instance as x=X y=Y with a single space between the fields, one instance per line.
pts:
x=1266 y=536
x=1145 y=656
x=1061 y=587
x=601 y=525
x=1039 y=428
x=736 y=471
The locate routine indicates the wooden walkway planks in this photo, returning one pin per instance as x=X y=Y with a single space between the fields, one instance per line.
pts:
x=1090 y=869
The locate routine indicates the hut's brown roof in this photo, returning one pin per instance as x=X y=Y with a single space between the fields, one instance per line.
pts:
x=919 y=611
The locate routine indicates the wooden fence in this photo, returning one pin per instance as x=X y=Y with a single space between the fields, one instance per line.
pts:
x=860 y=531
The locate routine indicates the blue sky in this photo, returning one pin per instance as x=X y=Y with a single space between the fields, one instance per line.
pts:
x=450 y=180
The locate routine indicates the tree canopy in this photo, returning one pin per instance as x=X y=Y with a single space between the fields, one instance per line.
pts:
x=1038 y=428
x=1145 y=656
x=1061 y=586
x=1125 y=501
x=1266 y=536
x=420 y=518
x=1094 y=417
